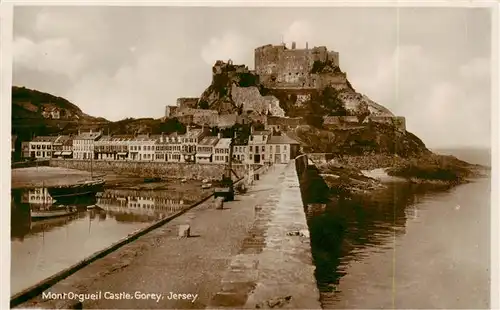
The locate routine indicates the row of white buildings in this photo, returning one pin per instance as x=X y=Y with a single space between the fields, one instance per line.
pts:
x=196 y=145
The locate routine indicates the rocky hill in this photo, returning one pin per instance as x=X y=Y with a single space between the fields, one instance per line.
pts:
x=32 y=104
x=39 y=113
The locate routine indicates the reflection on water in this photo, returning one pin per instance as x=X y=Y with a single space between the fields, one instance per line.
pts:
x=362 y=247
x=41 y=248
x=349 y=229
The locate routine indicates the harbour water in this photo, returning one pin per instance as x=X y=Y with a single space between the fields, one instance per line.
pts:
x=417 y=247
x=42 y=248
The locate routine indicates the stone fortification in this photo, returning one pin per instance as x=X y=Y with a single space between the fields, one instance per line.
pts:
x=280 y=67
x=250 y=99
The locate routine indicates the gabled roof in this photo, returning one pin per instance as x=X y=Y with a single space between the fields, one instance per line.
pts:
x=261 y=133
x=223 y=143
x=193 y=133
x=88 y=136
x=44 y=139
x=209 y=141
x=62 y=139
x=283 y=139
x=259 y=137
x=106 y=138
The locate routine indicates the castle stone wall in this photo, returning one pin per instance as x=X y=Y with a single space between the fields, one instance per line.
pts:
x=185 y=102
x=280 y=67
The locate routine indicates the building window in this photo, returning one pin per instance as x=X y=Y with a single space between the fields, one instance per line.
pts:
x=251 y=148
x=263 y=149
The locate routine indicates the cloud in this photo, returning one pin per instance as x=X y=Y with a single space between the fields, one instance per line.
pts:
x=300 y=31
x=53 y=55
x=437 y=100
x=139 y=89
x=228 y=46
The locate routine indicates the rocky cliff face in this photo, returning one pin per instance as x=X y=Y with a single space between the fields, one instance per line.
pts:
x=229 y=82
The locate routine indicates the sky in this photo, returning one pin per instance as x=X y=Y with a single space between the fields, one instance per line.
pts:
x=431 y=65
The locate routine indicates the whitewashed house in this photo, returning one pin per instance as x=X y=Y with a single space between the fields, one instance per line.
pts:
x=174 y=148
x=142 y=148
x=205 y=149
x=41 y=147
x=84 y=143
x=257 y=147
x=221 y=151
x=190 y=140
x=281 y=149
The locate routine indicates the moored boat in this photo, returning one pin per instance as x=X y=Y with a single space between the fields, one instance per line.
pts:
x=85 y=188
x=152 y=179
x=47 y=214
x=93 y=207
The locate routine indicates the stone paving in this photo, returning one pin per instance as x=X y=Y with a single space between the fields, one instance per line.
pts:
x=274 y=268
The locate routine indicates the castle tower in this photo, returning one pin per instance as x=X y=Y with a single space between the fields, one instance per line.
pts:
x=293 y=45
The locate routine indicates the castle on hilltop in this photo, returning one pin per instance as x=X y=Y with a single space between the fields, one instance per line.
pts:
x=289 y=76
x=310 y=68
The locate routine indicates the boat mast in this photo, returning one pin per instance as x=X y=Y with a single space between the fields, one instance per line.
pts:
x=91 y=161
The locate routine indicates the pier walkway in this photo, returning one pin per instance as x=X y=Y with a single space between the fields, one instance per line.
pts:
x=241 y=256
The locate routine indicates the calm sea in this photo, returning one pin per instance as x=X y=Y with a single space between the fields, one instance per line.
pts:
x=39 y=249
x=416 y=247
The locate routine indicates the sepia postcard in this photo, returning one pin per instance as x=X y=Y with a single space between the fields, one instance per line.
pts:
x=230 y=155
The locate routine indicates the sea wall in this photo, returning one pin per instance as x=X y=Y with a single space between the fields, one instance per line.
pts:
x=274 y=269
x=320 y=157
x=189 y=171
x=28 y=164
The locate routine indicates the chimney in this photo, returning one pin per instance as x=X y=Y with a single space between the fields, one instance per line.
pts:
x=293 y=45
x=90 y=130
x=307 y=45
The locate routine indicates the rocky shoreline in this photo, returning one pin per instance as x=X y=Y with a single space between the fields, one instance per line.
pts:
x=361 y=175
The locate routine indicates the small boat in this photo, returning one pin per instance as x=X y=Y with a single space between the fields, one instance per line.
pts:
x=152 y=179
x=84 y=188
x=92 y=207
x=183 y=180
x=204 y=181
x=206 y=185
x=47 y=214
